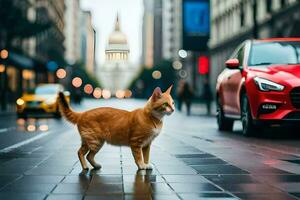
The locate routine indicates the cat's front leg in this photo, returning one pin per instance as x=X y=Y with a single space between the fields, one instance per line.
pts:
x=146 y=155
x=138 y=156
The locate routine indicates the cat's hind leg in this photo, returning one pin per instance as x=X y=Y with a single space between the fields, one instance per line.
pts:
x=91 y=155
x=81 y=154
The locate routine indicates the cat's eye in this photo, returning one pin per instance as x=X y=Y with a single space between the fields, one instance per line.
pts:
x=165 y=104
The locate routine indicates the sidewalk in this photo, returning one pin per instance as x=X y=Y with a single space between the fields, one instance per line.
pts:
x=49 y=168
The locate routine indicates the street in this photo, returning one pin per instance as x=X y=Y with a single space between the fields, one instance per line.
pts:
x=191 y=159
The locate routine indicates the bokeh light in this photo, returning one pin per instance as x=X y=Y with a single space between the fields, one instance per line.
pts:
x=4 y=54
x=77 y=82
x=156 y=74
x=177 y=65
x=182 y=74
x=97 y=93
x=128 y=93
x=88 y=88
x=31 y=128
x=44 y=127
x=2 y=68
x=120 y=94
x=106 y=94
x=61 y=73
x=182 y=53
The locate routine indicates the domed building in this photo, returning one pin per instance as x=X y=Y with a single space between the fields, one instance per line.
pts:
x=116 y=72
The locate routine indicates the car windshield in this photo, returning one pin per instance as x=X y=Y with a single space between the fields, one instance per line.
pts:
x=46 y=89
x=268 y=53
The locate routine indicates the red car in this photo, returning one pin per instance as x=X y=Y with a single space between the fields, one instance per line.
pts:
x=260 y=85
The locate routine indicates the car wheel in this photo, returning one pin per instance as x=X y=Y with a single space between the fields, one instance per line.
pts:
x=224 y=124
x=248 y=127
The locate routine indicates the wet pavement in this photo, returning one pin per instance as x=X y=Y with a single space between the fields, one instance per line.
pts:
x=191 y=160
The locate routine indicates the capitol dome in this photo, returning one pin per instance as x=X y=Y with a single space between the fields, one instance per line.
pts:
x=117 y=37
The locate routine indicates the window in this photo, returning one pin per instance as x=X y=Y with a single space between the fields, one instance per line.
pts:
x=269 y=6
x=240 y=55
x=242 y=15
x=268 y=53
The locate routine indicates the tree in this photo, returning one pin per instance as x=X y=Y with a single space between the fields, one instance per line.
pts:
x=143 y=85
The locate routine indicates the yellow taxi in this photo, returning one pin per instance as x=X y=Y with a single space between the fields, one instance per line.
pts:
x=44 y=99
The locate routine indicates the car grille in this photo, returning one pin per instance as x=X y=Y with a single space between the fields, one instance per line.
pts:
x=33 y=103
x=295 y=97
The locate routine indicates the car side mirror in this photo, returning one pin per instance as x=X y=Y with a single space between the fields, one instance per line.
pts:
x=232 y=63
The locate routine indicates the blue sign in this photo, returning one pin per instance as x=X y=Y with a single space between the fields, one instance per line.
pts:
x=196 y=18
x=52 y=66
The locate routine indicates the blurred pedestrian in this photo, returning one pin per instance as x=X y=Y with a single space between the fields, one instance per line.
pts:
x=207 y=95
x=184 y=95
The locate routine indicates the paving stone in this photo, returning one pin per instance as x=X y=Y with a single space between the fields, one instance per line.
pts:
x=185 y=179
x=203 y=155
x=70 y=188
x=29 y=188
x=208 y=196
x=24 y=196
x=262 y=196
x=29 y=179
x=231 y=179
x=99 y=189
x=145 y=178
x=102 y=179
x=249 y=188
x=219 y=169
x=6 y=179
x=203 y=161
x=64 y=197
x=193 y=187
x=104 y=197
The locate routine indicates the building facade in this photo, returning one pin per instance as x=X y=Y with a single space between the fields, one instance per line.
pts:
x=87 y=42
x=31 y=50
x=233 y=21
x=171 y=28
x=147 y=34
x=152 y=33
x=116 y=73
x=71 y=31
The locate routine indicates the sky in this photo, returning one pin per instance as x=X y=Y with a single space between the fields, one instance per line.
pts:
x=104 y=16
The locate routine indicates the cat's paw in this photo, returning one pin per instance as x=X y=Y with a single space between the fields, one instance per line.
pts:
x=97 y=166
x=142 y=166
x=149 y=166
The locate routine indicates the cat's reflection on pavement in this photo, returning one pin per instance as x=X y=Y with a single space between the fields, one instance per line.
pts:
x=142 y=184
x=140 y=188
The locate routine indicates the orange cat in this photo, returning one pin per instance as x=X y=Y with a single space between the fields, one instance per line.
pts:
x=136 y=129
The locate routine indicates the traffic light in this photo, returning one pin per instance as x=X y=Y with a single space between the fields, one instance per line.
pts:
x=203 y=65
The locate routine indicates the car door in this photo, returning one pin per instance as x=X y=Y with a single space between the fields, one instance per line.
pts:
x=231 y=84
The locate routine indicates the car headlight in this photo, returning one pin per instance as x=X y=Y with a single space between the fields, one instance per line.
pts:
x=267 y=85
x=50 y=101
x=20 y=101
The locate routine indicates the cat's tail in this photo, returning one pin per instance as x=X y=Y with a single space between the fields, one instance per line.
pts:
x=65 y=109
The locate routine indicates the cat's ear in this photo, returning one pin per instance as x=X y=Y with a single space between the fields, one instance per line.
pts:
x=156 y=94
x=168 y=91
